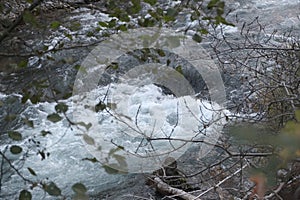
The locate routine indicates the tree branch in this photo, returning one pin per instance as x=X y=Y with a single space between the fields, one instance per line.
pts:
x=19 y=19
x=165 y=188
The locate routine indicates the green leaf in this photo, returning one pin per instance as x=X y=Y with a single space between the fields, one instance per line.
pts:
x=28 y=122
x=90 y=34
x=80 y=68
x=31 y=171
x=14 y=149
x=61 y=108
x=15 y=135
x=44 y=133
x=197 y=38
x=203 y=31
x=55 y=25
x=112 y=23
x=68 y=36
x=121 y=160
x=10 y=117
x=179 y=69
x=136 y=6
x=23 y=64
x=114 y=150
x=161 y=52
x=93 y=160
x=52 y=189
x=124 y=17
x=35 y=98
x=79 y=188
x=54 y=117
x=29 y=18
x=100 y=106
x=170 y=14
x=112 y=106
x=87 y=126
x=75 y=26
x=80 y=197
x=103 y=24
x=114 y=65
x=122 y=27
x=212 y=4
x=25 y=195
x=222 y=20
x=151 y=2
x=111 y=169
x=89 y=140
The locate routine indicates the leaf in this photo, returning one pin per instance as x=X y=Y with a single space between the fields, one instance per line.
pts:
x=55 y=25
x=14 y=149
x=122 y=27
x=80 y=197
x=93 y=160
x=112 y=151
x=212 y=4
x=75 y=26
x=54 y=117
x=260 y=185
x=31 y=171
x=23 y=64
x=89 y=140
x=35 y=98
x=100 y=106
x=68 y=36
x=112 y=23
x=52 y=189
x=136 y=6
x=121 y=161
x=203 y=31
x=112 y=106
x=110 y=169
x=44 y=133
x=103 y=24
x=29 y=18
x=197 y=38
x=25 y=195
x=28 y=122
x=15 y=135
x=79 y=188
x=171 y=12
x=179 y=69
x=61 y=108
x=87 y=126
x=221 y=20
x=80 y=68
x=151 y=2
x=10 y=117
x=42 y=154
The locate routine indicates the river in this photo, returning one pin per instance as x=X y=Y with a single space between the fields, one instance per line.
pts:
x=67 y=162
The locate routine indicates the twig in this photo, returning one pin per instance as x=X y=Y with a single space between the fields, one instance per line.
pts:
x=275 y=192
x=19 y=19
x=221 y=182
x=14 y=168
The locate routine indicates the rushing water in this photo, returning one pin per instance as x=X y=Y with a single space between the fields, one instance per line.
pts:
x=65 y=165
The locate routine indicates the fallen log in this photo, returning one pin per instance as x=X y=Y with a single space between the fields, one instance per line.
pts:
x=164 y=188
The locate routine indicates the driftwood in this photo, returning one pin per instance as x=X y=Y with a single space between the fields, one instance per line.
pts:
x=163 y=187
